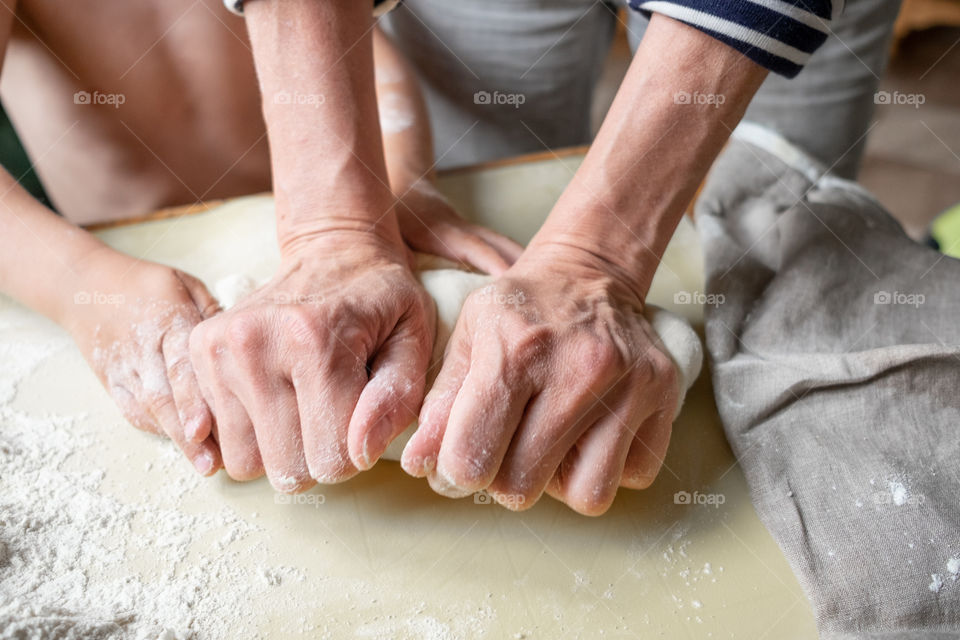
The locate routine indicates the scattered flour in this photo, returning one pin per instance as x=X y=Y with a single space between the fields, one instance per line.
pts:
x=19 y=360
x=67 y=545
x=936 y=583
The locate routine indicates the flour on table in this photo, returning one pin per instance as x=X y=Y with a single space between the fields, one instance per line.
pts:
x=65 y=542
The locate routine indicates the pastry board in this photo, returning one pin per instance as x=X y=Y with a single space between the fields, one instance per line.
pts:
x=383 y=556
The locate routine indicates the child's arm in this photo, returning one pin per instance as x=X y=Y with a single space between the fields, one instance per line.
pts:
x=131 y=319
x=427 y=221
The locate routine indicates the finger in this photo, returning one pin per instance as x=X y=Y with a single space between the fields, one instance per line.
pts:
x=272 y=407
x=233 y=430
x=194 y=413
x=506 y=247
x=420 y=455
x=232 y=427
x=328 y=382
x=268 y=399
x=204 y=455
x=648 y=448
x=327 y=398
x=461 y=244
x=391 y=399
x=483 y=419
x=207 y=305
x=551 y=426
x=591 y=472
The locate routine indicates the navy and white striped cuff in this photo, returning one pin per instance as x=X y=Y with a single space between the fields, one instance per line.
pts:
x=777 y=34
x=380 y=7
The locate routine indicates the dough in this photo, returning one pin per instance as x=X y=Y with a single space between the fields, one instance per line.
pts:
x=231 y=289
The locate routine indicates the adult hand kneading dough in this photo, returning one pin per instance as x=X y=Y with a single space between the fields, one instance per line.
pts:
x=449 y=287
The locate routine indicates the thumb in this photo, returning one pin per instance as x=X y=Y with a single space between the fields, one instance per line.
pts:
x=202 y=298
x=391 y=398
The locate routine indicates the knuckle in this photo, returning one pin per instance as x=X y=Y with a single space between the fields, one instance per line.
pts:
x=162 y=278
x=605 y=356
x=527 y=344
x=600 y=358
x=302 y=327
x=161 y=403
x=657 y=369
x=243 y=333
x=667 y=379
x=178 y=369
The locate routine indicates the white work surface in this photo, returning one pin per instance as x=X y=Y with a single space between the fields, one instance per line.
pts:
x=381 y=555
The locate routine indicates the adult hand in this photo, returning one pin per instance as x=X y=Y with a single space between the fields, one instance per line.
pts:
x=313 y=375
x=430 y=224
x=552 y=381
x=132 y=321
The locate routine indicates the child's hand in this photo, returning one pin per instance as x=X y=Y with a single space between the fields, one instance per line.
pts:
x=132 y=321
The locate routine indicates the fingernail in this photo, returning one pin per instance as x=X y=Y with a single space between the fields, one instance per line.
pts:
x=417 y=467
x=445 y=486
x=203 y=463
x=192 y=430
x=375 y=443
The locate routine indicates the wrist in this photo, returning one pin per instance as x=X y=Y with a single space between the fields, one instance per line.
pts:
x=346 y=241
x=368 y=219
x=628 y=251
x=93 y=273
x=563 y=258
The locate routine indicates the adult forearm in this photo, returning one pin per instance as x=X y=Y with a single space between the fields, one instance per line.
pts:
x=314 y=60
x=683 y=95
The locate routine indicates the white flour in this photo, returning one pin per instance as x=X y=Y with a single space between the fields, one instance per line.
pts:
x=65 y=543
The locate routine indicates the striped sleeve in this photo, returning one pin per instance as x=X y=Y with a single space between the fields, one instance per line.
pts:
x=777 y=34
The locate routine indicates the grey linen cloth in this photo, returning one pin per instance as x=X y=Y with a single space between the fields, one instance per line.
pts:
x=835 y=350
